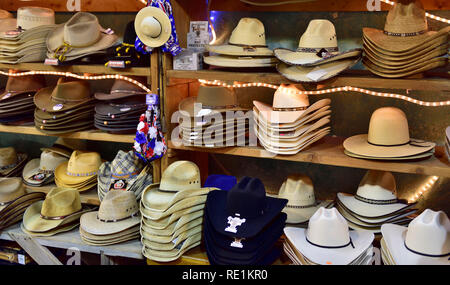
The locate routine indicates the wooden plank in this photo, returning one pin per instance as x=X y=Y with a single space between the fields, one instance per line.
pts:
x=89 y=197
x=330 y=151
x=351 y=78
x=77 y=5
x=39 y=253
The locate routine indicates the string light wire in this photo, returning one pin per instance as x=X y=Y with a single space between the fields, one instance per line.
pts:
x=425 y=188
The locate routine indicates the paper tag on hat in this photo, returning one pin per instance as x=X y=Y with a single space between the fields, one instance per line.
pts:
x=21 y=259
x=12 y=33
x=51 y=61
x=316 y=74
x=119 y=184
x=108 y=31
x=116 y=64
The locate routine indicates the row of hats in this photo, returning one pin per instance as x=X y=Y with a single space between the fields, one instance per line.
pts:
x=405 y=47
x=69 y=106
x=33 y=37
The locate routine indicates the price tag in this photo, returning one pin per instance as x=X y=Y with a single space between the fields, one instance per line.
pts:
x=108 y=31
x=116 y=64
x=21 y=259
x=316 y=74
x=51 y=61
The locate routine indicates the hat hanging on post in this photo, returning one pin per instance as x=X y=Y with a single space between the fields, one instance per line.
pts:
x=153 y=26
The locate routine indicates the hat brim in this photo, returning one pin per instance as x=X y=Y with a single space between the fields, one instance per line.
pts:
x=230 y=61
x=14 y=206
x=105 y=238
x=167 y=256
x=61 y=175
x=187 y=106
x=164 y=21
x=107 y=110
x=91 y=224
x=235 y=50
x=302 y=215
x=66 y=121
x=359 y=145
x=438 y=62
x=291 y=57
x=172 y=228
x=110 y=242
x=410 y=157
x=117 y=95
x=180 y=205
x=163 y=223
x=15 y=98
x=43 y=100
x=52 y=232
x=65 y=131
x=31 y=169
x=42 y=115
x=187 y=230
x=21 y=159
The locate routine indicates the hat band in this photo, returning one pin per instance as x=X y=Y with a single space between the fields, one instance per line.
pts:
x=125 y=176
x=118 y=220
x=128 y=92
x=404 y=34
x=58 y=217
x=325 y=246
x=6 y=167
x=425 y=254
x=219 y=107
x=289 y=109
x=66 y=47
x=317 y=50
x=411 y=142
x=248 y=48
x=81 y=174
x=300 y=207
x=376 y=202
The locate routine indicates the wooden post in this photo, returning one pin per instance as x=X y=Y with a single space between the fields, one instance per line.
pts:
x=39 y=253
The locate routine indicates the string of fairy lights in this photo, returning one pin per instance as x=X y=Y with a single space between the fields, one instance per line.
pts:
x=425 y=188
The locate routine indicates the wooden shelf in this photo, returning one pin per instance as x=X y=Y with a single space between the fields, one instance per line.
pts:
x=89 y=197
x=329 y=151
x=362 y=79
x=93 y=135
x=95 y=69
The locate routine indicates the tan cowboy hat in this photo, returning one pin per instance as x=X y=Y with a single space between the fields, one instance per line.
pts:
x=315 y=73
x=10 y=190
x=153 y=26
x=110 y=241
x=247 y=39
x=121 y=89
x=317 y=45
x=405 y=28
x=118 y=211
x=302 y=204
x=18 y=85
x=61 y=229
x=80 y=36
x=110 y=237
x=179 y=206
x=240 y=61
x=61 y=207
x=40 y=171
x=81 y=168
x=32 y=17
x=171 y=228
x=388 y=137
x=171 y=255
x=10 y=160
x=389 y=73
x=185 y=231
x=164 y=223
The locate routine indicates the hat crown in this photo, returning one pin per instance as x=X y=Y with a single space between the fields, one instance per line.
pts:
x=11 y=189
x=429 y=233
x=50 y=160
x=32 y=17
x=8 y=156
x=247 y=199
x=328 y=228
x=319 y=34
x=84 y=164
x=82 y=30
x=25 y=83
x=117 y=205
x=388 y=127
x=61 y=202
x=289 y=96
x=71 y=91
x=126 y=163
x=378 y=185
x=406 y=18
x=180 y=175
x=250 y=32
x=124 y=86
x=298 y=190
x=216 y=96
x=151 y=27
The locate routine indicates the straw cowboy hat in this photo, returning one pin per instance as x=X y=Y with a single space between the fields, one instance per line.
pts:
x=389 y=73
x=388 y=137
x=302 y=204
x=426 y=241
x=233 y=61
x=247 y=39
x=188 y=221
x=10 y=161
x=171 y=255
x=80 y=36
x=61 y=207
x=153 y=26
x=40 y=171
x=163 y=223
x=10 y=190
x=118 y=211
x=327 y=240
x=13 y=211
x=405 y=28
x=121 y=89
x=32 y=17
x=18 y=85
x=187 y=230
x=317 y=45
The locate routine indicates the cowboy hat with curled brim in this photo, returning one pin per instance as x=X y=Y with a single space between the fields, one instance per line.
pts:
x=110 y=241
x=81 y=168
x=121 y=89
x=70 y=121
x=163 y=223
x=167 y=256
x=153 y=26
x=42 y=129
x=171 y=228
x=388 y=137
x=242 y=61
x=19 y=205
x=426 y=240
x=107 y=237
x=383 y=72
x=10 y=190
x=410 y=157
x=61 y=116
x=317 y=45
x=108 y=109
x=40 y=171
x=183 y=232
x=55 y=128
x=60 y=229
x=11 y=161
x=181 y=205
x=20 y=85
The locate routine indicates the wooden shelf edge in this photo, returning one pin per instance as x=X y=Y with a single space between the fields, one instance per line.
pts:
x=329 y=151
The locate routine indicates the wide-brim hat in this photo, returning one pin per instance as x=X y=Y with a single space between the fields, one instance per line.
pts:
x=389 y=73
x=180 y=205
x=60 y=229
x=292 y=57
x=43 y=100
x=394 y=237
x=409 y=157
x=61 y=174
x=108 y=109
x=189 y=219
x=20 y=163
x=32 y=169
x=13 y=206
x=234 y=61
x=187 y=230
x=298 y=215
x=237 y=50
x=315 y=73
x=118 y=235
x=90 y=223
x=167 y=256
x=60 y=116
x=187 y=106
x=65 y=131
x=70 y=121
x=152 y=18
x=163 y=223
x=68 y=125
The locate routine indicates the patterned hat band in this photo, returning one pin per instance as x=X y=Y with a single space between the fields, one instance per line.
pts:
x=58 y=217
x=301 y=207
x=6 y=167
x=40 y=171
x=248 y=48
x=118 y=220
x=219 y=107
x=81 y=174
x=290 y=109
x=376 y=202
x=316 y=50
x=126 y=175
x=414 y=34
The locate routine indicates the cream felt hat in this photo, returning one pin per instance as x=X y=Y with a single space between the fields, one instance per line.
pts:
x=10 y=190
x=153 y=26
x=405 y=28
x=167 y=256
x=171 y=228
x=328 y=239
x=277 y=145
x=317 y=45
x=32 y=17
x=10 y=160
x=164 y=223
x=426 y=241
x=315 y=73
x=40 y=171
x=388 y=137
x=80 y=36
x=81 y=167
x=240 y=61
x=118 y=211
x=247 y=39
x=376 y=196
x=302 y=204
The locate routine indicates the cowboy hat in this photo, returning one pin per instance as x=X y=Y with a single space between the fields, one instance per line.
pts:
x=65 y=115
x=109 y=237
x=61 y=229
x=121 y=89
x=328 y=240
x=167 y=256
x=32 y=17
x=383 y=72
x=236 y=61
x=181 y=205
x=10 y=190
x=19 y=85
x=10 y=161
x=425 y=241
x=190 y=219
x=153 y=26
x=222 y=182
x=163 y=223
x=184 y=232
x=40 y=171
x=388 y=137
x=317 y=45
x=409 y=157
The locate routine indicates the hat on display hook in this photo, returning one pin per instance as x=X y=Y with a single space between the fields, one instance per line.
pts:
x=153 y=26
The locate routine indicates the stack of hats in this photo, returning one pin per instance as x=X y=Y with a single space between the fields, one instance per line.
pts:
x=328 y=241
x=406 y=46
x=242 y=226
x=447 y=142
x=173 y=213
x=292 y=124
x=209 y=120
x=116 y=221
x=81 y=36
x=388 y=139
x=126 y=172
x=80 y=172
x=375 y=203
x=246 y=47
x=59 y=212
x=16 y=102
x=14 y=199
x=12 y=162
x=66 y=108
x=426 y=241
x=24 y=39
x=40 y=171
x=302 y=203
x=317 y=57
x=119 y=111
